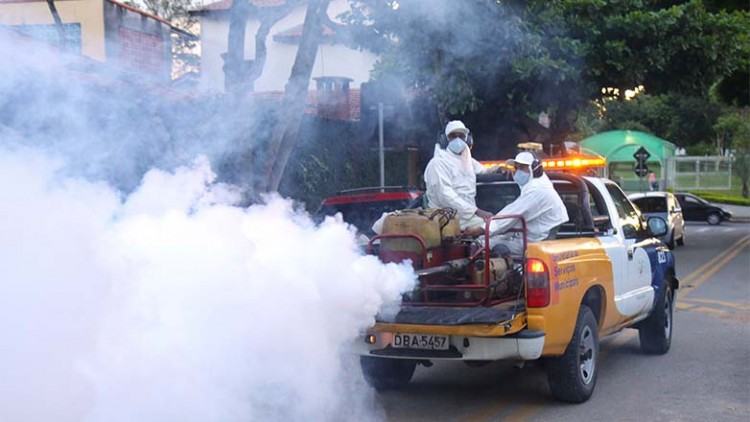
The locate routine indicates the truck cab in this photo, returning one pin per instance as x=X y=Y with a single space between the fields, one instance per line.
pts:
x=602 y=271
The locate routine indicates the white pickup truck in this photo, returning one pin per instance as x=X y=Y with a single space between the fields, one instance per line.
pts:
x=603 y=271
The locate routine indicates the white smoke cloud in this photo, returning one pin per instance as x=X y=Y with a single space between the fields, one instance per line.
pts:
x=172 y=304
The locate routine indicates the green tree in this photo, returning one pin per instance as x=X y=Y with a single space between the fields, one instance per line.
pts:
x=272 y=154
x=684 y=120
x=514 y=59
x=733 y=130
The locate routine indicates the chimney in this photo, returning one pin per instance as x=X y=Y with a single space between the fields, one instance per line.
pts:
x=333 y=97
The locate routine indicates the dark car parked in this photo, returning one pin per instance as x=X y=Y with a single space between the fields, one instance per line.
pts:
x=698 y=209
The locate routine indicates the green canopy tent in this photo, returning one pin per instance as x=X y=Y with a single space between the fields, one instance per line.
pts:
x=618 y=147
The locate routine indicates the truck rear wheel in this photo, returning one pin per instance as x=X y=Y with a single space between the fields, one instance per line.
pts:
x=655 y=333
x=572 y=376
x=387 y=374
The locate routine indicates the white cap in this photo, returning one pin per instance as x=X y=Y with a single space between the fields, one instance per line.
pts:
x=456 y=126
x=525 y=158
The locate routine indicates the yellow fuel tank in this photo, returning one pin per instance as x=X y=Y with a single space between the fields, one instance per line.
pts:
x=432 y=225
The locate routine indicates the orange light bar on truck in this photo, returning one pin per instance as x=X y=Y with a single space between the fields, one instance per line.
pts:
x=570 y=163
x=567 y=163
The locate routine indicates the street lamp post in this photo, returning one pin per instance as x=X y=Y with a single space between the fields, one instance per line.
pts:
x=381 y=148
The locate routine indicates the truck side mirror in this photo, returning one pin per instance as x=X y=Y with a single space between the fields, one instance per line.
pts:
x=657 y=226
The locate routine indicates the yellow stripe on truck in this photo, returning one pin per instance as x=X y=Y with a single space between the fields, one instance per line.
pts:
x=575 y=266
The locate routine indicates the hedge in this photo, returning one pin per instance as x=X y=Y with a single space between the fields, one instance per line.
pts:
x=722 y=198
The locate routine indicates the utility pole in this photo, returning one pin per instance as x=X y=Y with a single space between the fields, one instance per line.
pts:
x=58 y=23
x=381 y=148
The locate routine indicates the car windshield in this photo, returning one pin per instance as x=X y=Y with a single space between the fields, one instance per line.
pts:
x=651 y=204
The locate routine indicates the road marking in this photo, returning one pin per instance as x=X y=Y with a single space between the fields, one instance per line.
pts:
x=522 y=413
x=486 y=413
x=716 y=265
x=740 y=306
x=695 y=279
x=697 y=273
x=710 y=311
x=723 y=314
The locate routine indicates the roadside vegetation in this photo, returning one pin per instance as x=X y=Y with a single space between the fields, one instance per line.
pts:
x=675 y=69
x=722 y=198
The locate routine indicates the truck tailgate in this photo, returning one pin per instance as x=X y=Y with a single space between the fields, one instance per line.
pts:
x=504 y=319
x=454 y=333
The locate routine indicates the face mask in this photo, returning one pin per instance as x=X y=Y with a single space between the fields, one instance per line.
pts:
x=521 y=177
x=457 y=146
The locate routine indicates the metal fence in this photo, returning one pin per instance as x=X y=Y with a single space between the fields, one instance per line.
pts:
x=698 y=173
x=623 y=174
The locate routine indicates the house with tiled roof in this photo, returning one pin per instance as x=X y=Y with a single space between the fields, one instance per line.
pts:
x=337 y=74
x=107 y=31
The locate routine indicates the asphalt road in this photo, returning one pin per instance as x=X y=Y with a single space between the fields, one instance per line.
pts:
x=705 y=376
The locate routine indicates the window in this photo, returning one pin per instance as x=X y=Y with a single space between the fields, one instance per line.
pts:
x=493 y=197
x=633 y=226
x=596 y=202
x=624 y=208
x=651 y=204
x=691 y=200
x=48 y=33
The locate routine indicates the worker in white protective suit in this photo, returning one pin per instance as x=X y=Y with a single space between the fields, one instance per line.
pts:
x=539 y=204
x=451 y=177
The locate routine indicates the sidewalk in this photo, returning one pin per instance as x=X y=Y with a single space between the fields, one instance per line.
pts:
x=740 y=214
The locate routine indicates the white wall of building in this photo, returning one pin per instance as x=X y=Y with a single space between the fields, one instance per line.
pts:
x=331 y=60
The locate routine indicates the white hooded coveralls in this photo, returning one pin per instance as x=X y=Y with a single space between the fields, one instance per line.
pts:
x=540 y=206
x=451 y=182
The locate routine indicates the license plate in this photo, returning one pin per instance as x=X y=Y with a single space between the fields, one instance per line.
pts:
x=420 y=341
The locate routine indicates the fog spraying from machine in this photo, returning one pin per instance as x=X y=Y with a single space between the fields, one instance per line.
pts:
x=135 y=288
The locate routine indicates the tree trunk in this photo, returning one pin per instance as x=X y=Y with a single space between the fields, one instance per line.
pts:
x=234 y=58
x=268 y=17
x=240 y=74
x=285 y=134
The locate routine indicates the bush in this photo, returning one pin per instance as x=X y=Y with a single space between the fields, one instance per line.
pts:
x=722 y=198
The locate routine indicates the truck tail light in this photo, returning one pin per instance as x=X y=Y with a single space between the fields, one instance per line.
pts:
x=537 y=283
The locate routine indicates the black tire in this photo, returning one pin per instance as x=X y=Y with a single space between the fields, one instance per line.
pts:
x=670 y=244
x=572 y=376
x=713 y=219
x=655 y=332
x=387 y=374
